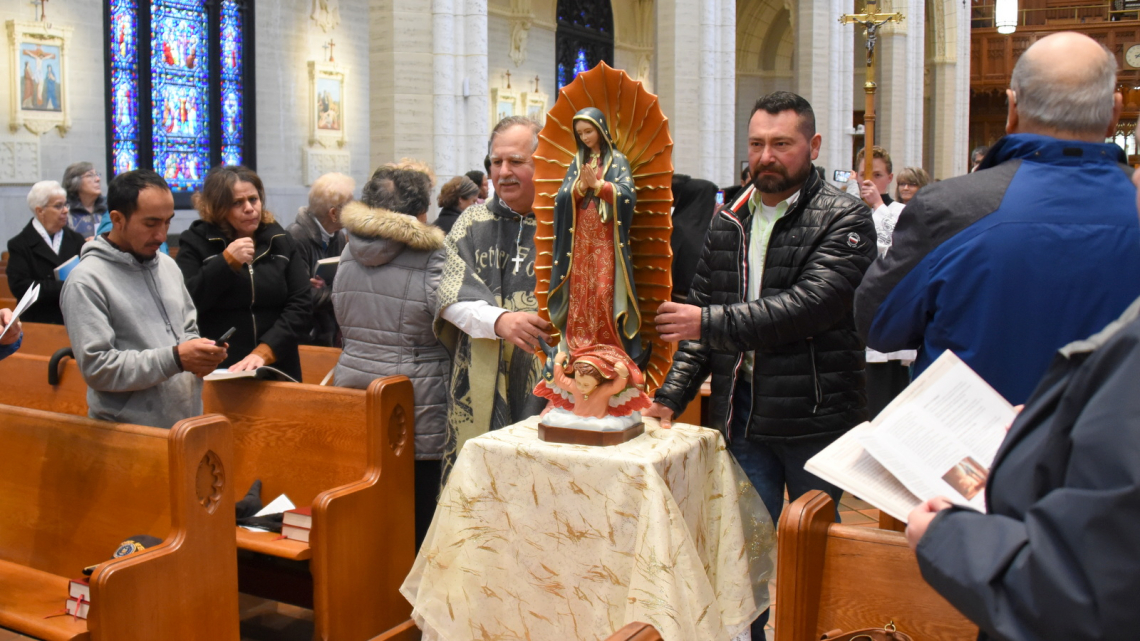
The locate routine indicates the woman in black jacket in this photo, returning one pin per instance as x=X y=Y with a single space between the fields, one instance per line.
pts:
x=33 y=259
x=243 y=271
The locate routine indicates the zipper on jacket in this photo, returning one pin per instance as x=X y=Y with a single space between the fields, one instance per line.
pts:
x=742 y=251
x=252 y=300
x=253 y=288
x=815 y=377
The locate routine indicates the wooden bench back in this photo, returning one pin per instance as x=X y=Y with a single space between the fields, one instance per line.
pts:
x=300 y=440
x=317 y=362
x=5 y=291
x=72 y=488
x=44 y=339
x=832 y=576
x=636 y=632
x=24 y=383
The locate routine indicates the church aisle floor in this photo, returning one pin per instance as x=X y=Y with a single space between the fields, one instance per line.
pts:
x=263 y=620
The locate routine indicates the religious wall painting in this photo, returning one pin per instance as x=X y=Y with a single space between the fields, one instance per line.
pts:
x=534 y=105
x=327 y=89
x=38 y=73
x=504 y=103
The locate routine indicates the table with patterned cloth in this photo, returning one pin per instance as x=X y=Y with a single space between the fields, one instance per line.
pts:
x=544 y=541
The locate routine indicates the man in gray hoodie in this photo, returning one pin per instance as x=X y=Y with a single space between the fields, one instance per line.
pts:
x=132 y=324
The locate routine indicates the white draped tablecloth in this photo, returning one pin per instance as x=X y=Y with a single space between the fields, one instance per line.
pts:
x=544 y=541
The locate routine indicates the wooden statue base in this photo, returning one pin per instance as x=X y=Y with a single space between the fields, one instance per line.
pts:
x=573 y=436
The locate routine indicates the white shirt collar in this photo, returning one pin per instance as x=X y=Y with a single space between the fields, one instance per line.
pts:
x=325 y=235
x=52 y=241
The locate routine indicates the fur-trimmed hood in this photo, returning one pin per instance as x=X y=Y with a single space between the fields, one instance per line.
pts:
x=376 y=236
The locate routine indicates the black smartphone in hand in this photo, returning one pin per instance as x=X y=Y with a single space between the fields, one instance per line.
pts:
x=225 y=338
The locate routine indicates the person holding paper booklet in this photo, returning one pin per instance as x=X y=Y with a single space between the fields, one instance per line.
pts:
x=1056 y=555
x=45 y=244
x=130 y=320
x=10 y=341
x=318 y=233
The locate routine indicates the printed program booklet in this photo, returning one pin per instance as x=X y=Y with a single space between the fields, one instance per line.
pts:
x=937 y=438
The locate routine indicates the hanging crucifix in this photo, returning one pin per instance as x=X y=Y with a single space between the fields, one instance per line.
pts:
x=332 y=50
x=871 y=22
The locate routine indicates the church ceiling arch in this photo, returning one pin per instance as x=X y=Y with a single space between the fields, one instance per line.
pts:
x=765 y=38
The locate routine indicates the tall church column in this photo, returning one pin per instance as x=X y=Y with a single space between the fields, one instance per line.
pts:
x=950 y=90
x=825 y=66
x=459 y=30
x=696 y=84
x=400 y=80
x=901 y=78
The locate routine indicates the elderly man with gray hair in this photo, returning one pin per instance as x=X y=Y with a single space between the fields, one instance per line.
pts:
x=1038 y=248
x=317 y=230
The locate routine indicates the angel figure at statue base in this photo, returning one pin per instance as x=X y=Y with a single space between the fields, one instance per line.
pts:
x=604 y=394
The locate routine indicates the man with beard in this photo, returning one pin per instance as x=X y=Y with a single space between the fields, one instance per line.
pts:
x=486 y=312
x=769 y=312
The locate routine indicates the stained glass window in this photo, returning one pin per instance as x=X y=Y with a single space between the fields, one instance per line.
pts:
x=124 y=87
x=584 y=37
x=233 y=113
x=179 y=74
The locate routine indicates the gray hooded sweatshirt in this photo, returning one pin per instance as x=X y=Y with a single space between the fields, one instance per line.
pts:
x=124 y=318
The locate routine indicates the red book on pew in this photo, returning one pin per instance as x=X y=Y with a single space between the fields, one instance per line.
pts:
x=301 y=517
x=79 y=588
x=297 y=523
x=78 y=607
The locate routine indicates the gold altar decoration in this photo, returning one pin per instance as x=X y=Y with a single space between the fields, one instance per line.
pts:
x=640 y=131
x=549 y=542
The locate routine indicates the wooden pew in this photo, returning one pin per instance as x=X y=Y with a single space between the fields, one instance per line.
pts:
x=25 y=384
x=72 y=489
x=831 y=576
x=349 y=455
x=5 y=291
x=43 y=339
x=317 y=362
x=7 y=303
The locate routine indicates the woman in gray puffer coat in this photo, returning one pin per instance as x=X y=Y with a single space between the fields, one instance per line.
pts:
x=387 y=276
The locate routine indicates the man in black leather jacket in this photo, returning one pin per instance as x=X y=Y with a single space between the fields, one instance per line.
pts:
x=770 y=311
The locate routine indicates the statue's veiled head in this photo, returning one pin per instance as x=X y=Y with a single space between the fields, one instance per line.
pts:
x=591 y=122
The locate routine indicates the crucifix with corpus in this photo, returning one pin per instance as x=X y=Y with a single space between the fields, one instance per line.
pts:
x=871 y=22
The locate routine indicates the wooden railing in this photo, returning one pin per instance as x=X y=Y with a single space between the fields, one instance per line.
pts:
x=982 y=16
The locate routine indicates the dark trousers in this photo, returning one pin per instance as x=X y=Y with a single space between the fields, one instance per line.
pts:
x=772 y=465
x=428 y=475
x=885 y=381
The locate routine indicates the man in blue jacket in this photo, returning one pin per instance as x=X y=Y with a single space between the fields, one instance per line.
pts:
x=1038 y=248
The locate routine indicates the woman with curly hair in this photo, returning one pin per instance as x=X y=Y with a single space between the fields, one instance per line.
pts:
x=244 y=271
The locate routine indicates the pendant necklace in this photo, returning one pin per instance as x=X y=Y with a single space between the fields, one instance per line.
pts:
x=518 y=259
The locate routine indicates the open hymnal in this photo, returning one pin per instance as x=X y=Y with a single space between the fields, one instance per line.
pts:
x=937 y=438
x=261 y=374
x=30 y=296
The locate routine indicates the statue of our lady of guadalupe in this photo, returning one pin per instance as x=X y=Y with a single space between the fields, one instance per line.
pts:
x=592 y=300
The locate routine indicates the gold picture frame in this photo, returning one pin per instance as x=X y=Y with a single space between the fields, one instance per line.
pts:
x=504 y=103
x=328 y=84
x=38 y=76
x=534 y=106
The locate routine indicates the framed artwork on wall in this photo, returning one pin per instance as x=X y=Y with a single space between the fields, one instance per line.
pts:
x=504 y=103
x=38 y=76
x=328 y=84
x=533 y=104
